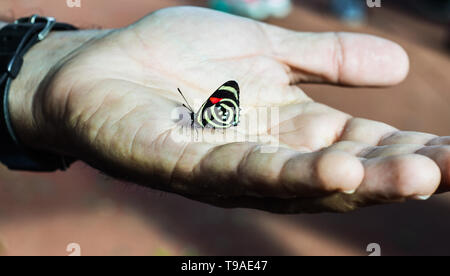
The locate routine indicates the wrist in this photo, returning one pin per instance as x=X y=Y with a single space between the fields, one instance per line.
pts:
x=25 y=97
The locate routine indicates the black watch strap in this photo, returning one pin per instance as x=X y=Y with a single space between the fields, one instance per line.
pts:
x=15 y=41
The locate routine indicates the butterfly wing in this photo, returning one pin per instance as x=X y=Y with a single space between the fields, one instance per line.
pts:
x=221 y=109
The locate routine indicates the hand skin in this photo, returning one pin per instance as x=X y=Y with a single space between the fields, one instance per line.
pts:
x=106 y=97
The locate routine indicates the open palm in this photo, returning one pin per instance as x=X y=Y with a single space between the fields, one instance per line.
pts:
x=117 y=94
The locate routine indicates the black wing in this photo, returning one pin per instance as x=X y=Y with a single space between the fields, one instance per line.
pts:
x=229 y=92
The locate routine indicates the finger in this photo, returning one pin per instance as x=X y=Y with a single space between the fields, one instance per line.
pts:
x=340 y=58
x=391 y=150
x=440 y=155
x=366 y=131
x=407 y=137
x=387 y=180
x=369 y=138
x=399 y=177
x=439 y=141
x=244 y=169
x=354 y=148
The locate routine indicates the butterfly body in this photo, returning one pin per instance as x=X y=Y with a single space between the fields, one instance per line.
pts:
x=221 y=110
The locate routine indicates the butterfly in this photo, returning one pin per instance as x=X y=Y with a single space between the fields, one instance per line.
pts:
x=221 y=109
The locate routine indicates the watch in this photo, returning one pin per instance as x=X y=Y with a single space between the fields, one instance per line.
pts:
x=15 y=41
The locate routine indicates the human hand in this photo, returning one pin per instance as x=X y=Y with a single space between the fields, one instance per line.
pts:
x=110 y=103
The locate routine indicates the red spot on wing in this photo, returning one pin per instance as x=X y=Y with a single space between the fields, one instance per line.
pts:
x=214 y=100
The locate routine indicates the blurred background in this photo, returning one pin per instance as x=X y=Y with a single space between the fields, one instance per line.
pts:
x=40 y=214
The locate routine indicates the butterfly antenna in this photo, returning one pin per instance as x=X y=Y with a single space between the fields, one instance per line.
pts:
x=189 y=106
